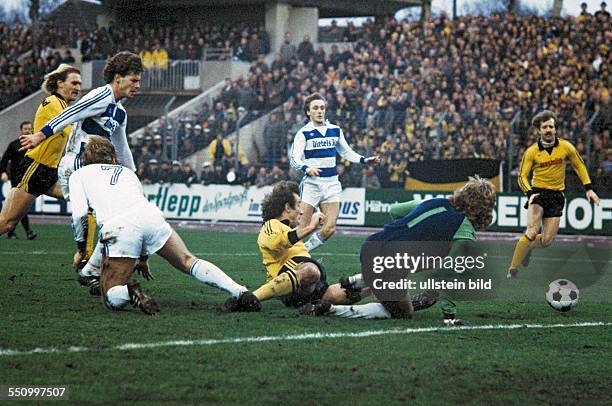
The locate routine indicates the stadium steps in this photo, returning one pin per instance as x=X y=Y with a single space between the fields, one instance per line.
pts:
x=11 y=116
x=146 y=107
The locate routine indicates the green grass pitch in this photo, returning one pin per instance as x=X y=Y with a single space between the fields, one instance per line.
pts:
x=43 y=307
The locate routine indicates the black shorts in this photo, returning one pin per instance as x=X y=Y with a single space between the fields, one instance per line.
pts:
x=297 y=300
x=552 y=201
x=34 y=177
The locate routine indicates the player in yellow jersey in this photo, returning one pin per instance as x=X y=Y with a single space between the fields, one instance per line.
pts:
x=292 y=275
x=548 y=159
x=37 y=173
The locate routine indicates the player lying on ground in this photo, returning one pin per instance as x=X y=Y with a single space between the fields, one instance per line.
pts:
x=292 y=275
x=313 y=153
x=99 y=112
x=131 y=227
x=548 y=158
x=454 y=220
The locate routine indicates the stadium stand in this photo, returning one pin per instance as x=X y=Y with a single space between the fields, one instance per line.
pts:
x=448 y=89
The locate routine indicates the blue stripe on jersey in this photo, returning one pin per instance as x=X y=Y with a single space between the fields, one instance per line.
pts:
x=93 y=128
x=327 y=172
x=432 y=220
x=120 y=116
x=320 y=153
x=78 y=108
x=115 y=113
x=330 y=133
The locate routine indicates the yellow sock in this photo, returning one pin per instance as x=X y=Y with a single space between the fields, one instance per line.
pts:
x=283 y=284
x=520 y=251
x=537 y=242
x=91 y=233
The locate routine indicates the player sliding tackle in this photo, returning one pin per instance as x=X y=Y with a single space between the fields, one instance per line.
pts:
x=453 y=220
x=133 y=228
x=292 y=275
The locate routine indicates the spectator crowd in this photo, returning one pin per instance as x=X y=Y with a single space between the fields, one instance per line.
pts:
x=24 y=61
x=451 y=89
x=446 y=89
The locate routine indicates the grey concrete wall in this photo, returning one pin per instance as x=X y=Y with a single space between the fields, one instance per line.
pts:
x=213 y=72
x=304 y=20
x=300 y=21
x=277 y=18
x=11 y=117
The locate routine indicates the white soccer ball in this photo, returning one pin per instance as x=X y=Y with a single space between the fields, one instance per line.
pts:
x=562 y=295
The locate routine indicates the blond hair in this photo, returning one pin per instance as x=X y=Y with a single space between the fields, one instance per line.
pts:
x=61 y=73
x=99 y=150
x=475 y=200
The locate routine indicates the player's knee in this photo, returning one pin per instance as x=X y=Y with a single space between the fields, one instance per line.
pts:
x=308 y=273
x=547 y=241
x=399 y=310
x=328 y=231
x=6 y=225
x=337 y=295
x=531 y=232
x=114 y=298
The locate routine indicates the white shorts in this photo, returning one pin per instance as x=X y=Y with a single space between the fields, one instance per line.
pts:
x=315 y=192
x=64 y=170
x=143 y=233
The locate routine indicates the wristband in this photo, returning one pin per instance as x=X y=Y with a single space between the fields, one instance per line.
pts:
x=82 y=246
x=48 y=131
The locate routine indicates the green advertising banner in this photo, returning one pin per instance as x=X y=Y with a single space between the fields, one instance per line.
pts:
x=579 y=216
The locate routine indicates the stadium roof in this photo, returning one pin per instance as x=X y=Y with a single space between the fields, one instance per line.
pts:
x=327 y=8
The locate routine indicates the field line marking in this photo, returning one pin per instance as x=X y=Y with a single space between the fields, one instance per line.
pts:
x=298 y=337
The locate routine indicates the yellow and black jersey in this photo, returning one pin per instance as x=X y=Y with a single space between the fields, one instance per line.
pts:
x=548 y=166
x=50 y=151
x=279 y=247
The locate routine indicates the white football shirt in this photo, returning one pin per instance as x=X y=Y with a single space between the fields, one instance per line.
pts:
x=110 y=190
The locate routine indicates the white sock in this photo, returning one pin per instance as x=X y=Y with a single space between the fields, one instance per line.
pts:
x=92 y=268
x=117 y=296
x=357 y=281
x=314 y=242
x=366 y=311
x=212 y=275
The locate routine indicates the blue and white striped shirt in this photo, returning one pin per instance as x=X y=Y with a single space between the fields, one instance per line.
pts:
x=97 y=113
x=316 y=147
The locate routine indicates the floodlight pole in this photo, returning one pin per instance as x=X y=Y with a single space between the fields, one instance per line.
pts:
x=164 y=132
x=241 y=116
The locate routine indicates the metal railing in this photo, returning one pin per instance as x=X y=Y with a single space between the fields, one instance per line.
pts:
x=180 y=75
x=217 y=54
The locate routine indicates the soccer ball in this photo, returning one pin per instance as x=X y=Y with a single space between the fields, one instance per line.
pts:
x=562 y=295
